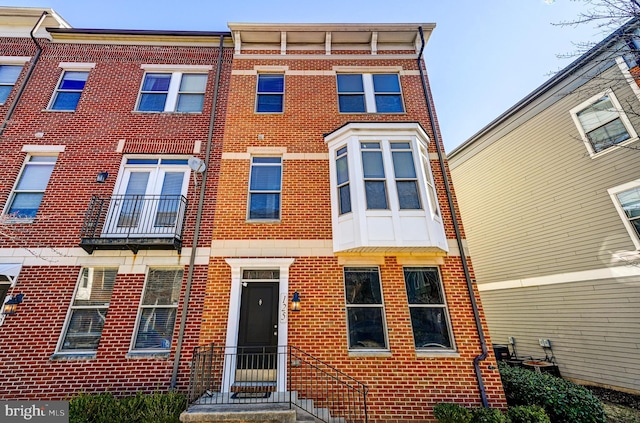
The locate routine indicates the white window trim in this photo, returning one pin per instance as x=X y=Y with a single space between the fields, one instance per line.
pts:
x=633 y=136
x=9 y=202
x=133 y=351
x=70 y=310
x=445 y=305
x=625 y=220
x=369 y=91
x=248 y=218
x=173 y=92
x=382 y=305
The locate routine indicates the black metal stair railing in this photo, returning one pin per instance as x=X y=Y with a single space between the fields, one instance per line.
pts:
x=284 y=374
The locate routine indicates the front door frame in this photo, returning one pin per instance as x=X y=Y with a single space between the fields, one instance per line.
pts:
x=237 y=266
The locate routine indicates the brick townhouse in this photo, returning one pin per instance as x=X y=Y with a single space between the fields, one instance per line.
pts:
x=302 y=162
x=100 y=203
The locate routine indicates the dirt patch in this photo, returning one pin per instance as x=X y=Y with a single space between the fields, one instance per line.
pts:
x=620 y=407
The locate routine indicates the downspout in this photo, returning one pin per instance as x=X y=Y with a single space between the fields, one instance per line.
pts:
x=196 y=232
x=456 y=228
x=13 y=106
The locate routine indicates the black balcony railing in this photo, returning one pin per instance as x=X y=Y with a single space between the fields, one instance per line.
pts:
x=134 y=222
x=267 y=375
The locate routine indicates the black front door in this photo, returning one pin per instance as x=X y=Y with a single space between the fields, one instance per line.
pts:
x=258 y=327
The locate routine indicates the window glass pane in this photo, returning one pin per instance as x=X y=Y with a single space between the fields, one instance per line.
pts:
x=264 y=206
x=156 y=82
x=193 y=83
x=266 y=274
x=25 y=204
x=66 y=101
x=350 y=83
x=152 y=102
x=408 y=194
x=389 y=104
x=73 y=80
x=173 y=162
x=190 y=103
x=636 y=225
x=630 y=201
x=362 y=285
x=270 y=83
x=266 y=160
x=423 y=286
x=156 y=328
x=387 y=83
x=430 y=327
x=342 y=169
x=9 y=74
x=163 y=287
x=84 y=329
x=351 y=103
x=403 y=164
x=597 y=114
x=610 y=134
x=94 y=288
x=35 y=177
x=345 y=199
x=269 y=103
x=366 y=328
x=5 y=90
x=372 y=164
x=376 y=194
x=265 y=178
x=143 y=161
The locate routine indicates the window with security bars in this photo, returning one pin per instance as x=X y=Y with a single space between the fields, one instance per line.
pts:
x=158 y=310
x=88 y=310
x=428 y=308
x=365 y=308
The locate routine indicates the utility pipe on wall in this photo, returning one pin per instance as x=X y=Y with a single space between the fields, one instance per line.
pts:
x=456 y=228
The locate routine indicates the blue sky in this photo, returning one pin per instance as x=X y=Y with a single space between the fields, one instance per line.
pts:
x=482 y=58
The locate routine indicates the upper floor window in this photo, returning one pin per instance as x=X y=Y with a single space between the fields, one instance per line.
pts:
x=270 y=93
x=88 y=311
x=428 y=308
x=8 y=77
x=369 y=93
x=365 y=308
x=172 y=92
x=67 y=94
x=374 y=178
x=27 y=194
x=602 y=122
x=342 y=171
x=158 y=308
x=265 y=185
x=627 y=200
x=405 y=174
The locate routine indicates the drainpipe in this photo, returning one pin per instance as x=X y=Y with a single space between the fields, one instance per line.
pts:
x=13 y=106
x=196 y=232
x=456 y=228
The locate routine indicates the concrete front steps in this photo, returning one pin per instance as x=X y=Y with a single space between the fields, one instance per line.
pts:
x=221 y=408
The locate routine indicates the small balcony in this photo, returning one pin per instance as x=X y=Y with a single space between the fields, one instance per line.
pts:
x=134 y=222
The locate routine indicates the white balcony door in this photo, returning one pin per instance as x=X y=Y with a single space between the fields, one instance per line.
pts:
x=147 y=201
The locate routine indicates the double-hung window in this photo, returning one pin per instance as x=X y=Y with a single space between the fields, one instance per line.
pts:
x=158 y=309
x=8 y=77
x=27 y=195
x=602 y=122
x=265 y=185
x=172 y=92
x=69 y=90
x=342 y=171
x=88 y=310
x=369 y=93
x=626 y=198
x=374 y=177
x=428 y=308
x=405 y=175
x=365 y=308
x=270 y=93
